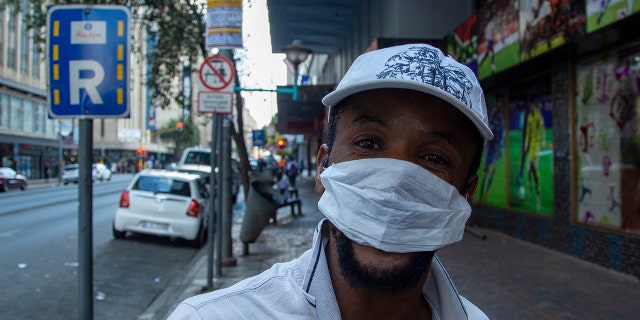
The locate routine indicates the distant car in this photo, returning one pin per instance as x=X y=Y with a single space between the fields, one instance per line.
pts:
x=9 y=179
x=70 y=173
x=164 y=203
x=101 y=172
x=198 y=160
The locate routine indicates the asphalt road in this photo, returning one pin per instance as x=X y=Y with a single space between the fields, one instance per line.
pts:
x=39 y=264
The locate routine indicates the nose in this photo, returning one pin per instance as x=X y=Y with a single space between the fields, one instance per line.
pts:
x=401 y=150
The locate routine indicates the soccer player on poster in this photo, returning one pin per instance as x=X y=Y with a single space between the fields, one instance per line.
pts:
x=534 y=137
x=494 y=149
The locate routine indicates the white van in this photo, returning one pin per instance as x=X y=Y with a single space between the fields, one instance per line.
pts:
x=198 y=160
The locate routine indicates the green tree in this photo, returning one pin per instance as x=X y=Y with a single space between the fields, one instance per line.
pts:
x=187 y=136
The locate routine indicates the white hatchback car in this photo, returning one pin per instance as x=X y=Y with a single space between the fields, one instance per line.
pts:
x=164 y=203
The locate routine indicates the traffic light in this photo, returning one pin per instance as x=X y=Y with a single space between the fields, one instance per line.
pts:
x=179 y=126
x=282 y=143
x=141 y=151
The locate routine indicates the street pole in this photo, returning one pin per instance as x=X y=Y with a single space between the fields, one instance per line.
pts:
x=85 y=221
x=60 y=152
x=226 y=212
x=213 y=199
x=219 y=196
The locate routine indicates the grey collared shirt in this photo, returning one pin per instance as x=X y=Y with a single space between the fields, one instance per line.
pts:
x=302 y=289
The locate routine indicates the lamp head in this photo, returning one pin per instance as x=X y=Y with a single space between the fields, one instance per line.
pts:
x=296 y=52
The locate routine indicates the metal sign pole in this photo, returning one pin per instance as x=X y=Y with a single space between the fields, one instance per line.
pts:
x=85 y=221
x=219 y=193
x=213 y=196
x=60 y=153
x=227 y=210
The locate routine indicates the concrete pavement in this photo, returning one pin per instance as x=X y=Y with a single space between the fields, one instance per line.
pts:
x=506 y=277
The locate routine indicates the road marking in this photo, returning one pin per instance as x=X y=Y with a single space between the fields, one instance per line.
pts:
x=9 y=233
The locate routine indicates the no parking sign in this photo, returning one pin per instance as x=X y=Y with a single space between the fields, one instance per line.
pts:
x=217 y=77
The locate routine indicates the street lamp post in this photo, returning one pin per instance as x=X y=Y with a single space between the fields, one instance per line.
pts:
x=296 y=53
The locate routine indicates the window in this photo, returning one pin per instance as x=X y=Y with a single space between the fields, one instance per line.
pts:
x=2 y=38
x=24 y=42
x=16 y=113
x=4 y=111
x=11 y=43
x=28 y=116
x=198 y=157
x=163 y=185
x=38 y=118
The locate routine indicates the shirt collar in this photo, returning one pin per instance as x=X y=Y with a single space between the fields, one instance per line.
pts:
x=439 y=289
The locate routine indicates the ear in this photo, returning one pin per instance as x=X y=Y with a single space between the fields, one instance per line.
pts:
x=320 y=160
x=469 y=189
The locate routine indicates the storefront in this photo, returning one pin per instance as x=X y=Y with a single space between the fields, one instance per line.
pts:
x=561 y=84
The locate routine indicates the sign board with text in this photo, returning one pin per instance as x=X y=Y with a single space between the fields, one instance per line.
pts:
x=215 y=102
x=215 y=90
x=88 y=61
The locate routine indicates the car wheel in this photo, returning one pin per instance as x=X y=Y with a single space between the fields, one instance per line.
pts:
x=23 y=187
x=4 y=188
x=118 y=234
x=200 y=239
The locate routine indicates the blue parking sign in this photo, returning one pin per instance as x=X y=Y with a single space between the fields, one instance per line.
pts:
x=258 y=138
x=88 y=61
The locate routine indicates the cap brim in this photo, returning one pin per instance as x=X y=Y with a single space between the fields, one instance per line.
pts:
x=338 y=95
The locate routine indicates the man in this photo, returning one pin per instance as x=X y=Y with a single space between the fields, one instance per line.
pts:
x=292 y=170
x=407 y=127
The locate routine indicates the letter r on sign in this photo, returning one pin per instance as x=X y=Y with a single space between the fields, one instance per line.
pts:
x=90 y=85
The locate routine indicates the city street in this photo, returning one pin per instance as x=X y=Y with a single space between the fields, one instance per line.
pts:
x=38 y=269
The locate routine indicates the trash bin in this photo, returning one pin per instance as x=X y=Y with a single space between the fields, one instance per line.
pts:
x=261 y=205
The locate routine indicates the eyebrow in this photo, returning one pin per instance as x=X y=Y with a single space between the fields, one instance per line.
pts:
x=440 y=135
x=366 y=118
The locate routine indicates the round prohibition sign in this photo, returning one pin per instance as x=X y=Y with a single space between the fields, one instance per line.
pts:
x=216 y=72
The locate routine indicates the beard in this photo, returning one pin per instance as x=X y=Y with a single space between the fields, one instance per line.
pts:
x=393 y=280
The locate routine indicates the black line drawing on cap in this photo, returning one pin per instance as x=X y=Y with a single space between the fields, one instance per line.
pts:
x=423 y=64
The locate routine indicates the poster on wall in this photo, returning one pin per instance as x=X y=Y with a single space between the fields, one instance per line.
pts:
x=548 y=24
x=492 y=176
x=462 y=44
x=607 y=128
x=498 y=37
x=601 y=13
x=531 y=149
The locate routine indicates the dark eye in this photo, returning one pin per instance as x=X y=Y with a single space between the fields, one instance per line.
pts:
x=367 y=144
x=436 y=159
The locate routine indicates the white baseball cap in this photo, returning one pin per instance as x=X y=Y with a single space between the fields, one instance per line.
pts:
x=419 y=67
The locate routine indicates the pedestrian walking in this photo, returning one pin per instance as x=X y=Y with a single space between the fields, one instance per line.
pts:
x=293 y=169
x=406 y=130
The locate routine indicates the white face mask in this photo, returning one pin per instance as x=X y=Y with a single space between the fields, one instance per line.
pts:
x=393 y=205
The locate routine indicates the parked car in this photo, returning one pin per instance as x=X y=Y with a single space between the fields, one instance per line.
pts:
x=198 y=160
x=9 y=179
x=164 y=203
x=70 y=173
x=101 y=172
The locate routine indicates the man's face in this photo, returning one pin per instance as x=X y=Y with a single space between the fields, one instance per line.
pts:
x=404 y=125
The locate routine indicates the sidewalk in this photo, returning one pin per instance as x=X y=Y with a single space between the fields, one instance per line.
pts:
x=506 y=277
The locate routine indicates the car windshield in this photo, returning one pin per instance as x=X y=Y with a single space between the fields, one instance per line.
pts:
x=163 y=185
x=198 y=157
